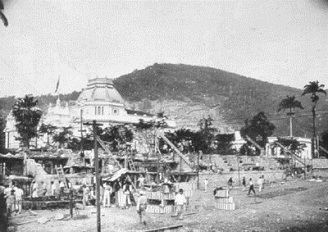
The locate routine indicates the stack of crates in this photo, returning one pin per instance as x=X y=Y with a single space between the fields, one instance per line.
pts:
x=160 y=196
x=160 y=209
x=167 y=199
x=224 y=201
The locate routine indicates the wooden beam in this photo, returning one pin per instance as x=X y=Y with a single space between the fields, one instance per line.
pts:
x=164 y=228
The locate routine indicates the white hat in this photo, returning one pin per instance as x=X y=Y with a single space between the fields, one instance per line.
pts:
x=142 y=192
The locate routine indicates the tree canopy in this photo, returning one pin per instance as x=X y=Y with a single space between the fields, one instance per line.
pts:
x=314 y=88
x=289 y=103
x=27 y=116
x=259 y=128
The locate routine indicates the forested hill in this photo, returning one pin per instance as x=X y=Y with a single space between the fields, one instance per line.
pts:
x=187 y=93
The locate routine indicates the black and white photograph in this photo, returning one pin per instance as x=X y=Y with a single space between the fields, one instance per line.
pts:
x=163 y=115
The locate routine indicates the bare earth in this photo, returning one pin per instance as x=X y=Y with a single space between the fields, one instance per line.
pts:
x=283 y=206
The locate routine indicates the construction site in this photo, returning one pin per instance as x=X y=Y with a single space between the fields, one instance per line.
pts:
x=162 y=176
x=271 y=187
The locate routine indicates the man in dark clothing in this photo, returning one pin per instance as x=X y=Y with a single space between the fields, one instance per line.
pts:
x=251 y=187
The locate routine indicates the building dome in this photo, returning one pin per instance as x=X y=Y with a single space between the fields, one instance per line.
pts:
x=100 y=89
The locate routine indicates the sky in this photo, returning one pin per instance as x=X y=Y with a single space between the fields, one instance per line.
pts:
x=279 y=41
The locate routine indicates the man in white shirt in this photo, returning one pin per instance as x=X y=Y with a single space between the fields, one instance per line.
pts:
x=35 y=188
x=61 y=188
x=141 y=181
x=260 y=183
x=19 y=199
x=206 y=185
x=107 y=193
x=180 y=203
x=53 y=188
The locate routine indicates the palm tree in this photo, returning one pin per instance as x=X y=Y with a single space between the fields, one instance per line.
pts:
x=291 y=104
x=2 y=16
x=314 y=89
x=27 y=117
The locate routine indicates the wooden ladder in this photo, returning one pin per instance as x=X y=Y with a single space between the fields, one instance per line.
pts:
x=108 y=152
x=61 y=174
x=130 y=163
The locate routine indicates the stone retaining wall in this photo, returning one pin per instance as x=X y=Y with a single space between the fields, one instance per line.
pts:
x=220 y=180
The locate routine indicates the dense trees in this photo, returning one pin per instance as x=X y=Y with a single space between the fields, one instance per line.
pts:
x=118 y=136
x=27 y=116
x=259 y=128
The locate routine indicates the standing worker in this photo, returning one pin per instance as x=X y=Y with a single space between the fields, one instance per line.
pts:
x=107 y=193
x=251 y=187
x=180 y=204
x=19 y=198
x=34 y=189
x=230 y=183
x=260 y=183
x=61 y=188
x=244 y=184
x=142 y=206
x=52 y=189
x=206 y=184
x=86 y=192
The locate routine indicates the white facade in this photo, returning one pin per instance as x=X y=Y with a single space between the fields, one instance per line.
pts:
x=277 y=151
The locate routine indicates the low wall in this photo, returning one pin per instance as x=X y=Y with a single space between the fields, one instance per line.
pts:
x=221 y=179
x=323 y=172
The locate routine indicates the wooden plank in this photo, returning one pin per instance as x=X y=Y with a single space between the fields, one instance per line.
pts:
x=164 y=228
x=175 y=149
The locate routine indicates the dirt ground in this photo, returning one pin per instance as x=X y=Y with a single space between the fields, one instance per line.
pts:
x=283 y=206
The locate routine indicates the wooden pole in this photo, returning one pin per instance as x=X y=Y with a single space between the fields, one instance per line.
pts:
x=94 y=124
x=96 y=164
x=238 y=162
x=198 y=169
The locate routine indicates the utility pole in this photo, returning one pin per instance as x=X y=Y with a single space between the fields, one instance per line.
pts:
x=81 y=130
x=198 y=169
x=238 y=162
x=96 y=163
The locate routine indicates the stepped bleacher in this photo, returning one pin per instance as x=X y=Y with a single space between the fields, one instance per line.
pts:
x=231 y=162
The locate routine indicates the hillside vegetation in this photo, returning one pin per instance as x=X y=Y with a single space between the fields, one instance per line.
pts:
x=187 y=93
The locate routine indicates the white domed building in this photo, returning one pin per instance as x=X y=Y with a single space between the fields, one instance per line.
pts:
x=99 y=101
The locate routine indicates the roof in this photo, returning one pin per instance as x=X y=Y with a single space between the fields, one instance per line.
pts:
x=41 y=155
x=116 y=175
x=100 y=89
x=139 y=113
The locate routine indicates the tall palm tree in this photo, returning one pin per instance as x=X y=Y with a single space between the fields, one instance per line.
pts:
x=314 y=88
x=27 y=116
x=2 y=16
x=289 y=103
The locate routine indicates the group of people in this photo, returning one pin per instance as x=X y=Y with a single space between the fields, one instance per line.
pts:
x=260 y=183
x=13 y=197
x=118 y=191
x=40 y=190
x=251 y=189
